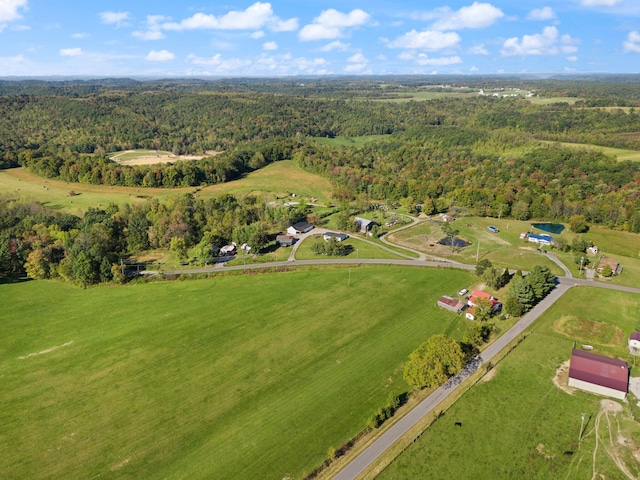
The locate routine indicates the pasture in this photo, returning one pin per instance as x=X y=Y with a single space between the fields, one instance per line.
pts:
x=358 y=249
x=516 y=423
x=619 y=154
x=231 y=377
x=276 y=179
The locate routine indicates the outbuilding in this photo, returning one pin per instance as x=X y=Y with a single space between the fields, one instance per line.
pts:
x=299 y=228
x=452 y=304
x=634 y=343
x=285 y=240
x=599 y=374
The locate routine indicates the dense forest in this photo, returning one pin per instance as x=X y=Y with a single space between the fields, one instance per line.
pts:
x=479 y=154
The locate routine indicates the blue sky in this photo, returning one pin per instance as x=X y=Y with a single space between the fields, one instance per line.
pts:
x=317 y=37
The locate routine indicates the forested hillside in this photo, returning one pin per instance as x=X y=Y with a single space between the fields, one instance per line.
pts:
x=478 y=154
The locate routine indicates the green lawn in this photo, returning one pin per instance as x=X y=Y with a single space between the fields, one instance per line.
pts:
x=341 y=141
x=232 y=377
x=359 y=249
x=519 y=424
x=504 y=249
x=276 y=179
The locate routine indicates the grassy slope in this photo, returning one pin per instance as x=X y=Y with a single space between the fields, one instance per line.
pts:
x=618 y=153
x=275 y=179
x=233 y=377
x=505 y=419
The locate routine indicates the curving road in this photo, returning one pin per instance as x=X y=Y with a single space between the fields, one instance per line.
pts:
x=359 y=464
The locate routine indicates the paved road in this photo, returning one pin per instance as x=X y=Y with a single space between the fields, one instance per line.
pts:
x=352 y=470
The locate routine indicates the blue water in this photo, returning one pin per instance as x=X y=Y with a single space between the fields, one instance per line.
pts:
x=454 y=242
x=556 y=228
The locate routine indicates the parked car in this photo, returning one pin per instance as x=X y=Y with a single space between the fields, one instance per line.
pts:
x=493 y=229
x=464 y=291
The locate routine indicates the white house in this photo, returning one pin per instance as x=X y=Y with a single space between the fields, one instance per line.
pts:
x=634 y=343
x=299 y=228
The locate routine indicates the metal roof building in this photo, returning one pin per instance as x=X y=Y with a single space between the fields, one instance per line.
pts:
x=598 y=374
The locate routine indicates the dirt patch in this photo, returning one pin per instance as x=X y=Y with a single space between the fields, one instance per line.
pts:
x=588 y=330
x=610 y=406
x=489 y=376
x=540 y=450
x=561 y=378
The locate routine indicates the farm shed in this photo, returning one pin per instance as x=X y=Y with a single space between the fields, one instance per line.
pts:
x=634 y=343
x=365 y=225
x=452 y=304
x=299 y=228
x=598 y=374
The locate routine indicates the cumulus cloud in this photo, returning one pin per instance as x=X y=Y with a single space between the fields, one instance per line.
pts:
x=428 y=40
x=544 y=13
x=257 y=35
x=330 y=24
x=254 y=17
x=356 y=63
x=160 y=56
x=600 y=3
x=115 y=18
x=335 y=45
x=423 y=59
x=477 y=15
x=221 y=64
x=70 y=52
x=632 y=43
x=9 y=10
x=549 y=42
x=270 y=46
x=80 y=35
x=152 y=28
x=478 y=50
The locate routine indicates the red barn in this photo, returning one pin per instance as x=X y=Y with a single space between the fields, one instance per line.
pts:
x=598 y=374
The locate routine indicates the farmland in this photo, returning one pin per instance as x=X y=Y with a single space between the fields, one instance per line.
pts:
x=516 y=423
x=231 y=377
x=278 y=179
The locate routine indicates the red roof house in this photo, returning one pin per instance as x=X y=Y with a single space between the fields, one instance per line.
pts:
x=598 y=374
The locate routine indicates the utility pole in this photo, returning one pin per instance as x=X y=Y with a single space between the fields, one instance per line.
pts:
x=581 y=426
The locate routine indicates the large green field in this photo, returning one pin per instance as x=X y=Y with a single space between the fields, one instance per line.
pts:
x=231 y=377
x=276 y=179
x=518 y=424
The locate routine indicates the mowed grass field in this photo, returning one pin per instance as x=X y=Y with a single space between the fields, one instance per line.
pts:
x=239 y=377
x=516 y=423
x=275 y=179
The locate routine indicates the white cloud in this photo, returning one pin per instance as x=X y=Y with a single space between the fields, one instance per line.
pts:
x=478 y=50
x=80 y=35
x=215 y=60
x=572 y=58
x=270 y=46
x=600 y=3
x=632 y=43
x=160 y=56
x=544 y=13
x=117 y=18
x=9 y=10
x=330 y=24
x=20 y=28
x=71 y=52
x=221 y=65
x=335 y=45
x=423 y=60
x=257 y=35
x=254 y=17
x=546 y=43
x=357 y=58
x=477 y=15
x=149 y=35
x=427 y=40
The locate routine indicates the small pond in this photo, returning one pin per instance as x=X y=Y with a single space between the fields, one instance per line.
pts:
x=555 y=228
x=454 y=242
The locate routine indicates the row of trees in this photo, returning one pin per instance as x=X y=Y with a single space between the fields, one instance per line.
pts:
x=87 y=250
